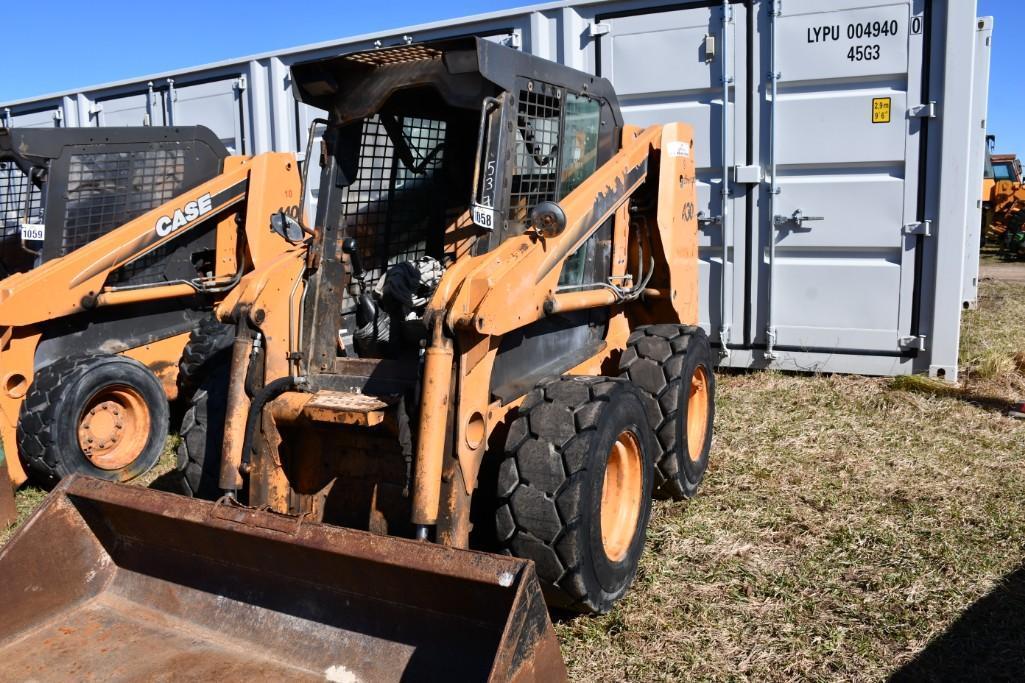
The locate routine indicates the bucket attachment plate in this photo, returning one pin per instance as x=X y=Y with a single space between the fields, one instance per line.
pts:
x=114 y=582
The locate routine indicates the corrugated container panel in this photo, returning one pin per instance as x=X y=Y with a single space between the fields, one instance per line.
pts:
x=836 y=205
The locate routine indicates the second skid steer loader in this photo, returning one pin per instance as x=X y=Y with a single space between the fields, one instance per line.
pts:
x=491 y=342
x=117 y=243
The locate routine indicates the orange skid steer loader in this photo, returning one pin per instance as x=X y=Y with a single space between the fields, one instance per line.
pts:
x=119 y=242
x=490 y=344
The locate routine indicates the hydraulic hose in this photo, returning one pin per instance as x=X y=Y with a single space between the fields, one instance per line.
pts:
x=268 y=393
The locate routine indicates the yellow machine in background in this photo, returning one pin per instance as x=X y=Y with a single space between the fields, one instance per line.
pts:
x=142 y=232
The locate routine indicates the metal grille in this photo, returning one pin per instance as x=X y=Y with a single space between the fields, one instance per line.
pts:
x=107 y=190
x=389 y=207
x=395 y=55
x=535 y=178
x=13 y=188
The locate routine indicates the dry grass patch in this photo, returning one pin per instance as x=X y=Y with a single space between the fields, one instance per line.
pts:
x=843 y=524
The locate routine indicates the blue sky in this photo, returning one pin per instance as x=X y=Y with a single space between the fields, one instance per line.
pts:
x=1007 y=78
x=51 y=46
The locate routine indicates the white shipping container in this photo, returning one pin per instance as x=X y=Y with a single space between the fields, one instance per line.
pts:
x=839 y=146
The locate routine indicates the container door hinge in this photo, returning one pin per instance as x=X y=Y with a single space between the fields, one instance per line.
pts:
x=240 y=83
x=598 y=28
x=923 y=228
x=923 y=111
x=748 y=175
x=915 y=343
x=95 y=108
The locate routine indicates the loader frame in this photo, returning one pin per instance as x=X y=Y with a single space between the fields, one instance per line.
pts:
x=504 y=281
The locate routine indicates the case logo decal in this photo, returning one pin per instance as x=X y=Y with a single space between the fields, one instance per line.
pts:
x=189 y=213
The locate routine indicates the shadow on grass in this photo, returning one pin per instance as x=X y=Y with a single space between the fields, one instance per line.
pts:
x=168 y=481
x=986 y=643
x=930 y=387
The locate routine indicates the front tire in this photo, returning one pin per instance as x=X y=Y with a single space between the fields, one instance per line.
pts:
x=574 y=489
x=103 y=416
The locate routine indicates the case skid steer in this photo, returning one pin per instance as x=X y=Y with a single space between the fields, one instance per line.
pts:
x=490 y=343
x=116 y=244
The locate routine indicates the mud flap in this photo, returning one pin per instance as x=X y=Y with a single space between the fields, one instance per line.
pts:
x=109 y=581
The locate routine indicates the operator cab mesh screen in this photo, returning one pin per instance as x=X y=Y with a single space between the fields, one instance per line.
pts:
x=535 y=177
x=14 y=185
x=390 y=208
x=107 y=190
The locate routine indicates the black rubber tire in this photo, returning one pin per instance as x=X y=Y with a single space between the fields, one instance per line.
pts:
x=207 y=343
x=202 y=433
x=661 y=361
x=550 y=486
x=48 y=424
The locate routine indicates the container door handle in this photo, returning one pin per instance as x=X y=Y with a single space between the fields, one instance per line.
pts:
x=797 y=217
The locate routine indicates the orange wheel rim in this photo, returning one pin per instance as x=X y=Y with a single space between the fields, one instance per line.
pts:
x=621 y=495
x=697 y=413
x=114 y=427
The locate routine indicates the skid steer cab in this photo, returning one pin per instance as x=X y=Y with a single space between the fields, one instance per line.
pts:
x=494 y=341
x=117 y=243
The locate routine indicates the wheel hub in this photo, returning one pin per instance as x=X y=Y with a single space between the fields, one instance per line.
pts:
x=114 y=427
x=621 y=495
x=697 y=413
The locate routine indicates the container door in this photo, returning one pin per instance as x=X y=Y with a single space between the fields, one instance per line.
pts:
x=305 y=115
x=669 y=66
x=846 y=127
x=136 y=109
x=41 y=118
x=218 y=105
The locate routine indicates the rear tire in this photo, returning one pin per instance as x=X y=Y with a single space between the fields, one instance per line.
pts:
x=207 y=344
x=672 y=366
x=103 y=416
x=202 y=433
x=574 y=489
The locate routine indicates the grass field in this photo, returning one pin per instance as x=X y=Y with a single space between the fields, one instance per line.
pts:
x=849 y=528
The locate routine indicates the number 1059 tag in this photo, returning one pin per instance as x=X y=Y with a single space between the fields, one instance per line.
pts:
x=33 y=231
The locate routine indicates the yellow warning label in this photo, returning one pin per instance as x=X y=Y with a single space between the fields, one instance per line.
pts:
x=881 y=110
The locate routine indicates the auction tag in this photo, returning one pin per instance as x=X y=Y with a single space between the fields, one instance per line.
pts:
x=484 y=216
x=679 y=149
x=33 y=231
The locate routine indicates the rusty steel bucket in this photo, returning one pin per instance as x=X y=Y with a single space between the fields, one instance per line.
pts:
x=113 y=582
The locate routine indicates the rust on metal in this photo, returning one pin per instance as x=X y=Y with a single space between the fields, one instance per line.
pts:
x=339 y=407
x=114 y=427
x=434 y=412
x=135 y=584
x=235 y=416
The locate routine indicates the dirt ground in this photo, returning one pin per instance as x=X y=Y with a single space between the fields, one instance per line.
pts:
x=849 y=528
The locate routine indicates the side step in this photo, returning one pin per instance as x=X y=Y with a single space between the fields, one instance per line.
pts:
x=107 y=581
x=332 y=407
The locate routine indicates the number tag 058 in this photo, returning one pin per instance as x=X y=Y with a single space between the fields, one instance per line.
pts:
x=33 y=231
x=484 y=216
